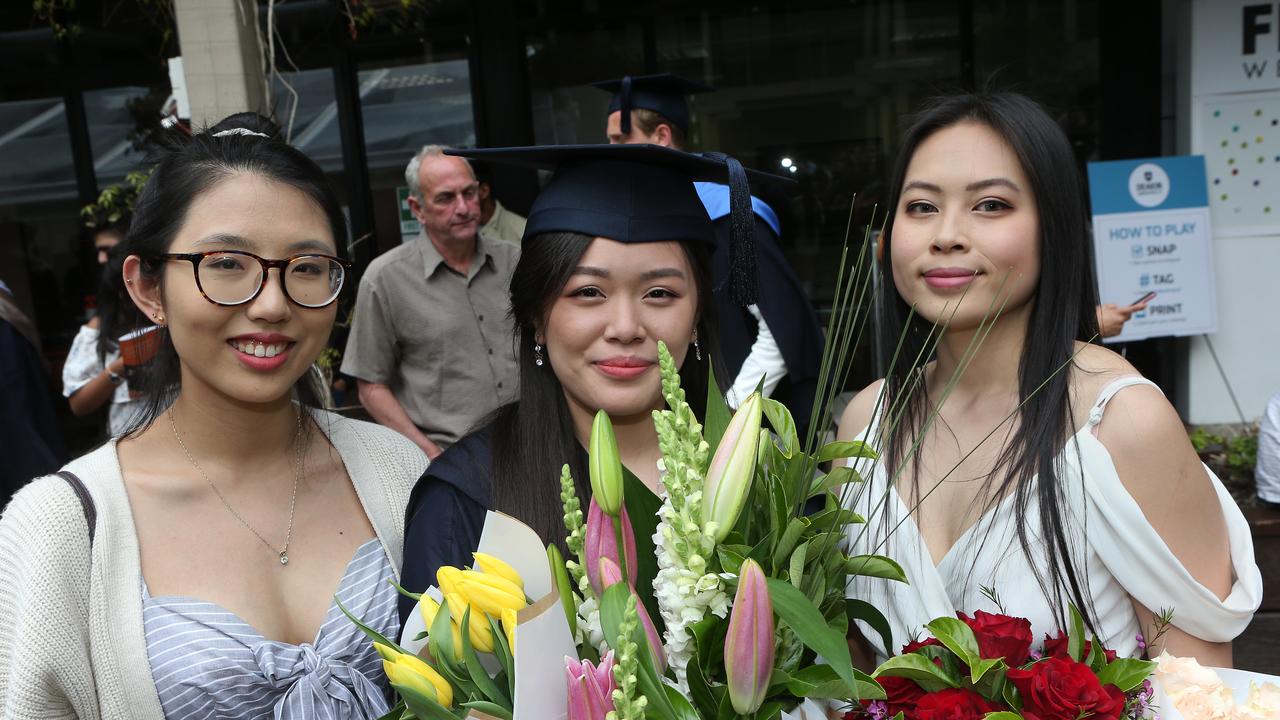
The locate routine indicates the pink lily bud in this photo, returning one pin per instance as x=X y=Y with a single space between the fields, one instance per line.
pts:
x=733 y=466
x=590 y=688
x=602 y=542
x=611 y=574
x=749 y=644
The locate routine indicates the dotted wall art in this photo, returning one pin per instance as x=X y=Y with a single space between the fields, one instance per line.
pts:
x=1240 y=139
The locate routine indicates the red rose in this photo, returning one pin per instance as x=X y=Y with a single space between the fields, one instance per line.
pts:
x=954 y=704
x=1062 y=689
x=1057 y=647
x=915 y=645
x=1000 y=636
x=901 y=695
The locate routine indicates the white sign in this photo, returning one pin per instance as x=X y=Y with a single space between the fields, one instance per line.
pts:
x=1235 y=46
x=1151 y=234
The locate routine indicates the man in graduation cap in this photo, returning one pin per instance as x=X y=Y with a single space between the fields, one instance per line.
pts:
x=777 y=336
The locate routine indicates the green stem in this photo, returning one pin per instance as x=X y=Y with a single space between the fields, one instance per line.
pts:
x=622 y=548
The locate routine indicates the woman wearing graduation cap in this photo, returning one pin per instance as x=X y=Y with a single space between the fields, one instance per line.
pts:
x=615 y=258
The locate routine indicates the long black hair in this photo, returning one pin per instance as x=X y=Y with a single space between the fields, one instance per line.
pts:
x=187 y=167
x=534 y=437
x=1062 y=312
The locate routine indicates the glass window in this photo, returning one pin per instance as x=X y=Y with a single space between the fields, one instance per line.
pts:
x=36 y=146
x=566 y=111
x=40 y=230
x=310 y=121
x=1048 y=50
x=405 y=107
x=115 y=115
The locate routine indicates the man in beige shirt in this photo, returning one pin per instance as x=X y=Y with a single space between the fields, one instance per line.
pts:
x=431 y=344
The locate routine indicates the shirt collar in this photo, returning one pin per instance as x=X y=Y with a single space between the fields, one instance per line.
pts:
x=432 y=260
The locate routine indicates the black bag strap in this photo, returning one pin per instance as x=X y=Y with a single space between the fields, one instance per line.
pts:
x=86 y=500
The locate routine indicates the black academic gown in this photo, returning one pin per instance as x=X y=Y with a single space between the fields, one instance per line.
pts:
x=446 y=513
x=786 y=310
x=447 y=510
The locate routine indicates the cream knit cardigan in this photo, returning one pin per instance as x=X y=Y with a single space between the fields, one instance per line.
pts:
x=71 y=633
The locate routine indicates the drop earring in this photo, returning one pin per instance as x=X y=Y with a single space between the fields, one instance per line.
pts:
x=697 y=350
x=537 y=354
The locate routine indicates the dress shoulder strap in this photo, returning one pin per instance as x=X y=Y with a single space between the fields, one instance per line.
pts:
x=1108 y=392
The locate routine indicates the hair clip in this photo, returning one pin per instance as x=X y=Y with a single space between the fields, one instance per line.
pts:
x=239 y=131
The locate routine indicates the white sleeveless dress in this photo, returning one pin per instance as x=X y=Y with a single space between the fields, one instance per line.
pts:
x=1117 y=553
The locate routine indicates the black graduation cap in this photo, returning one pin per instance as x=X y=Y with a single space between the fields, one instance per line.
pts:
x=664 y=94
x=637 y=193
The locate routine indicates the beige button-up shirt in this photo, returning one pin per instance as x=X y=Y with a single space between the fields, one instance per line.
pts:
x=505 y=225
x=440 y=340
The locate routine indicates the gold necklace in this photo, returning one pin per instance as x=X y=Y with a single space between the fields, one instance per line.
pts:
x=282 y=553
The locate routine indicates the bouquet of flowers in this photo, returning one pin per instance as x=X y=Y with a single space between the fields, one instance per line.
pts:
x=748 y=615
x=723 y=596
x=1192 y=692
x=984 y=666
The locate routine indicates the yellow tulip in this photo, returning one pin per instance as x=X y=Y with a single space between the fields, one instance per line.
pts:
x=490 y=592
x=428 y=608
x=509 y=627
x=494 y=566
x=386 y=651
x=447 y=579
x=412 y=672
x=477 y=628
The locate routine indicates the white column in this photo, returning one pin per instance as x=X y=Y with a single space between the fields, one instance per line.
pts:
x=221 y=58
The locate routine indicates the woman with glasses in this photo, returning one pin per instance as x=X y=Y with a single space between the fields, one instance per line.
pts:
x=189 y=568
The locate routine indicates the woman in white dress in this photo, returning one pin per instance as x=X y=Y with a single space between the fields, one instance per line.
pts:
x=1020 y=483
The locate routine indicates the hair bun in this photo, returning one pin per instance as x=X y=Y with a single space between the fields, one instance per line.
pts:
x=246 y=121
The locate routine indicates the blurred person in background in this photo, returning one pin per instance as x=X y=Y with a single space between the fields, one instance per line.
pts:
x=33 y=443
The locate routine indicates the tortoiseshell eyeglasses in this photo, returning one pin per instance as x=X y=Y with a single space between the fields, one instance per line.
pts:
x=227 y=277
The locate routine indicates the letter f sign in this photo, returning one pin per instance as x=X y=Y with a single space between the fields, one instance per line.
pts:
x=1254 y=25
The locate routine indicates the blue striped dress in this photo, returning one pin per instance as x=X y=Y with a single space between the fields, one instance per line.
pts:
x=208 y=663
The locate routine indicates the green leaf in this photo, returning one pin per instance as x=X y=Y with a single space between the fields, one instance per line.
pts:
x=488 y=708
x=1011 y=696
x=835 y=519
x=871 y=615
x=406 y=593
x=918 y=669
x=1075 y=640
x=679 y=704
x=782 y=423
x=718 y=414
x=845 y=449
x=836 y=478
x=506 y=657
x=373 y=634
x=423 y=706
x=478 y=674
x=788 y=542
x=731 y=557
x=809 y=626
x=613 y=605
x=1126 y=673
x=699 y=689
x=795 y=571
x=957 y=637
x=821 y=681
x=642 y=510
x=877 y=566
x=441 y=633
x=1002 y=715
x=1096 y=659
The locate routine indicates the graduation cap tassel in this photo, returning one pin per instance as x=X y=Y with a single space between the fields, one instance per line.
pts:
x=624 y=97
x=742 y=251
